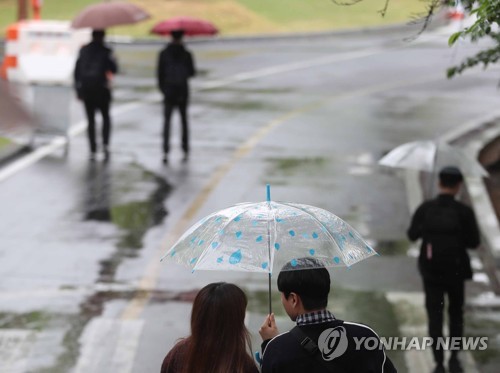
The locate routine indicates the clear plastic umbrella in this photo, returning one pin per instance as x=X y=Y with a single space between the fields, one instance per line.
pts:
x=431 y=156
x=264 y=236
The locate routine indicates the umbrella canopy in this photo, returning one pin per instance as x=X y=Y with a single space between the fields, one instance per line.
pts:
x=431 y=156
x=103 y=15
x=264 y=236
x=190 y=26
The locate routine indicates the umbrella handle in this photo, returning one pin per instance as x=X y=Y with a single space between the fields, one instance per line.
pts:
x=270 y=307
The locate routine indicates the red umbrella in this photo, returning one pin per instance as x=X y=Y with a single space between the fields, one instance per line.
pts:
x=103 y=15
x=190 y=26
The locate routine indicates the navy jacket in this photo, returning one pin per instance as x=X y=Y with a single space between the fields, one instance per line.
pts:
x=284 y=354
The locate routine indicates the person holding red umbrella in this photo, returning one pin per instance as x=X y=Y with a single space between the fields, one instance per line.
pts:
x=175 y=67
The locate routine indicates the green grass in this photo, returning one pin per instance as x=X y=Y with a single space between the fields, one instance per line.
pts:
x=324 y=14
x=242 y=16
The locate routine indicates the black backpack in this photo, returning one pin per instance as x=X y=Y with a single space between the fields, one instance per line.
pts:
x=93 y=70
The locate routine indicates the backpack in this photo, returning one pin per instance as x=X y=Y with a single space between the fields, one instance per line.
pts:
x=93 y=69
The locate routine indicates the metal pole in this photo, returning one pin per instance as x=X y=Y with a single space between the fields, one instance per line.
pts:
x=22 y=9
x=268 y=188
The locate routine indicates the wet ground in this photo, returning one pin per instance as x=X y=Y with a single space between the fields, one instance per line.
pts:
x=81 y=241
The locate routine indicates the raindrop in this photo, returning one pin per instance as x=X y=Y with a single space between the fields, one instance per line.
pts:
x=220 y=259
x=305 y=235
x=350 y=234
x=238 y=218
x=279 y=220
x=292 y=233
x=214 y=245
x=238 y=234
x=235 y=257
x=264 y=265
x=259 y=239
x=312 y=251
x=192 y=260
x=173 y=253
x=218 y=220
x=201 y=242
x=221 y=232
x=293 y=262
x=254 y=223
x=277 y=246
x=315 y=235
x=336 y=260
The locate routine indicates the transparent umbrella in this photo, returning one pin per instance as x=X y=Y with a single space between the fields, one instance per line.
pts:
x=264 y=236
x=431 y=156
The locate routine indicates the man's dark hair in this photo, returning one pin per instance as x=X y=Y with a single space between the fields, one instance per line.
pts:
x=309 y=279
x=450 y=177
x=177 y=34
x=98 y=35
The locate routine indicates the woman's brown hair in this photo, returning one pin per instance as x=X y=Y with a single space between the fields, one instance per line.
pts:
x=219 y=338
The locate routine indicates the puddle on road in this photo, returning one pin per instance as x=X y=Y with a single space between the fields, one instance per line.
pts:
x=296 y=171
x=35 y=320
x=392 y=248
x=251 y=90
x=235 y=103
x=133 y=200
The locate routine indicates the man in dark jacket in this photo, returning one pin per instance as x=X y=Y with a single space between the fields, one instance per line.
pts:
x=319 y=343
x=447 y=228
x=94 y=68
x=175 y=67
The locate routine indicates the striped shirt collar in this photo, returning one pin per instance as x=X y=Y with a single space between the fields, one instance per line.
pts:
x=316 y=317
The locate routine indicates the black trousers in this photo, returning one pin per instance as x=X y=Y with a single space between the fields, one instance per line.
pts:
x=434 y=303
x=169 y=106
x=93 y=101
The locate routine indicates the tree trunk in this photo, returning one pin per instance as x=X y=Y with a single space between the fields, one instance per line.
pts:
x=22 y=9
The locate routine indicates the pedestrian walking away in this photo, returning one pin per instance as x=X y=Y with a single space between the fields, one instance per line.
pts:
x=219 y=341
x=320 y=342
x=175 y=67
x=447 y=228
x=92 y=75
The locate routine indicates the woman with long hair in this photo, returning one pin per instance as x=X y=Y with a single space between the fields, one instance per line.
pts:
x=219 y=341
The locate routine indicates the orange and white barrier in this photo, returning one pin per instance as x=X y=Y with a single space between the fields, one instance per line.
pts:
x=457 y=13
x=9 y=65
x=40 y=51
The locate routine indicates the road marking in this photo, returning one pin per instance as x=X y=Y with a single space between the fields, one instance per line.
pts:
x=117 y=354
x=57 y=143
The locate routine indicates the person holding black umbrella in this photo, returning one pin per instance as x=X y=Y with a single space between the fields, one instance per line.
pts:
x=175 y=67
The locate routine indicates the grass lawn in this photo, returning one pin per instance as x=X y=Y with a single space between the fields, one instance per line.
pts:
x=239 y=17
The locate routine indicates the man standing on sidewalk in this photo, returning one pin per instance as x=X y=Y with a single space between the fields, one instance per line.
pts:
x=93 y=70
x=447 y=228
x=175 y=67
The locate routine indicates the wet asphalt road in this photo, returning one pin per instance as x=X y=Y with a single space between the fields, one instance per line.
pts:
x=82 y=289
